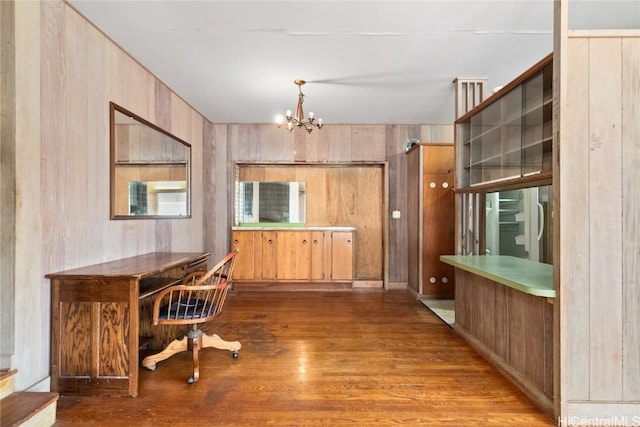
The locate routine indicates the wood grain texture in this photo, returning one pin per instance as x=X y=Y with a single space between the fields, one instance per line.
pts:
x=342 y=358
x=339 y=195
x=597 y=191
x=294 y=255
x=430 y=218
x=605 y=212
x=96 y=327
x=511 y=329
x=414 y=219
x=275 y=259
x=339 y=143
x=574 y=227
x=75 y=339
x=630 y=215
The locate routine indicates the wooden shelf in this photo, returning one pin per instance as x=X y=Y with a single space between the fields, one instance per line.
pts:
x=509 y=135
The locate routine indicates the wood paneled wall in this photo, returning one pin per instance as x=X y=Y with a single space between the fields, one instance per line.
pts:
x=7 y=179
x=511 y=329
x=597 y=184
x=66 y=72
x=340 y=195
x=340 y=143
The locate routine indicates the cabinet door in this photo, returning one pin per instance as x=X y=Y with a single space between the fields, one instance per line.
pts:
x=320 y=255
x=294 y=255
x=268 y=256
x=245 y=265
x=342 y=255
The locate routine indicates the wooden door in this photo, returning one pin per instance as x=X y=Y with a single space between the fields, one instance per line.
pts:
x=95 y=336
x=342 y=255
x=438 y=234
x=294 y=255
x=245 y=264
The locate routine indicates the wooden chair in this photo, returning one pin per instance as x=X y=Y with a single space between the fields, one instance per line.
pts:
x=199 y=299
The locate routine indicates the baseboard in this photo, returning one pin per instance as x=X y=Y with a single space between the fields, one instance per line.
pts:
x=399 y=286
x=293 y=286
x=43 y=385
x=367 y=284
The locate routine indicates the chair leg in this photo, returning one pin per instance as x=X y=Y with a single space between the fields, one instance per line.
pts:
x=176 y=346
x=195 y=343
x=216 y=342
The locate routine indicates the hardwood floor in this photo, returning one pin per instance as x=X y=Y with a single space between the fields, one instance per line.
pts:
x=320 y=359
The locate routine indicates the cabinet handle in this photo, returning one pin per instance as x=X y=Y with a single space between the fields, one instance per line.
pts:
x=315 y=242
x=235 y=241
x=270 y=241
x=304 y=242
x=348 y=241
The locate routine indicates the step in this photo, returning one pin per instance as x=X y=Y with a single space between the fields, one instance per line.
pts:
x=6 y=382
x=28 y=409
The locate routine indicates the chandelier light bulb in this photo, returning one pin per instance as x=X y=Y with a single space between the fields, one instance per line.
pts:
x=311 y=114
x=279 y=120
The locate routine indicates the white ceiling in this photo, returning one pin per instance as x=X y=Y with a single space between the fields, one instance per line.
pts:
x=364 y=61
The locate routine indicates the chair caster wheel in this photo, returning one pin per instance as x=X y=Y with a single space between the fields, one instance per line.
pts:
x=235 y=354
x=190 y=380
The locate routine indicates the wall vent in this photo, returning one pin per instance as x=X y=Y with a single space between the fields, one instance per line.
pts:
x=469 y=93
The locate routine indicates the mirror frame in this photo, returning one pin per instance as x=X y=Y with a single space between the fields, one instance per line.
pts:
x=113 y=164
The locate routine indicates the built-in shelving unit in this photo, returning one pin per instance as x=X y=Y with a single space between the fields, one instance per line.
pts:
x=508 y=136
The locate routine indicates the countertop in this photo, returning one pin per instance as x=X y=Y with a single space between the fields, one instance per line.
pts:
x=286 y=227
x=530 y=277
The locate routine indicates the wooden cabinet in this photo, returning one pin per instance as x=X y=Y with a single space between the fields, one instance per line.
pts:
x=341 y=255
x=245 y=267
x=320 y=255
x=96 y=320
x=267 y=256
x=430 y=218
x=508 y=136
x=301 y=255
x=294 y=256
x=258 y=257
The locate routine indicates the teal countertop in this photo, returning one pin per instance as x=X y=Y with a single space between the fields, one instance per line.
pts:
x=533 y=278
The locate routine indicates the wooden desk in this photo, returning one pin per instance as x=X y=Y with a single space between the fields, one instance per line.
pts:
x=95 y=320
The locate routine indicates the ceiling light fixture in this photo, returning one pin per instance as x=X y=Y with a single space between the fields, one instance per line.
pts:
x=298 y=120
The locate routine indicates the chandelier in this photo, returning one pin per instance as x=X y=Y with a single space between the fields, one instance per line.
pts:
x=298 y=120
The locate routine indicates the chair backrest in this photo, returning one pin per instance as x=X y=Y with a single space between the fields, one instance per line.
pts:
x=199 y=298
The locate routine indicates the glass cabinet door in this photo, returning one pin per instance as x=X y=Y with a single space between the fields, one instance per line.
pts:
x=536 y=124
x=509 y=136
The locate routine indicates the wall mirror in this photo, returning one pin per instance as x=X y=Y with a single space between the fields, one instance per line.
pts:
x=150 y=169
x=270 y=203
